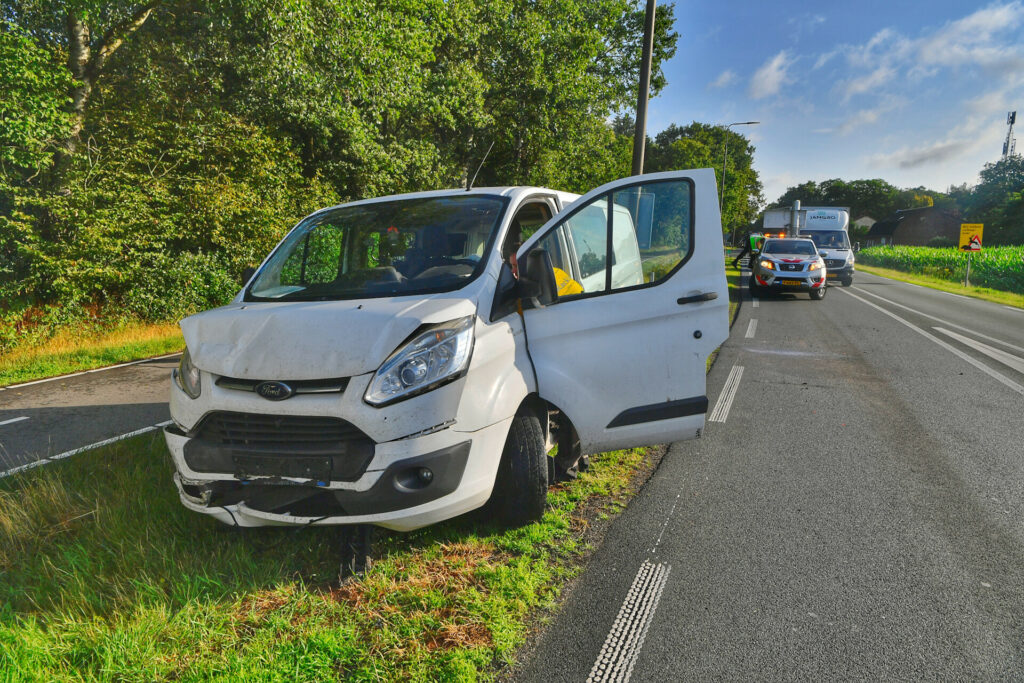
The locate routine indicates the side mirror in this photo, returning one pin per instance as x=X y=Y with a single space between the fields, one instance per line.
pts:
x=537 y=280
x=247 y=275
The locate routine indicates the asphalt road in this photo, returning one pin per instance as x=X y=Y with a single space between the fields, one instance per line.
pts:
x=858 y=514
x=55 y=417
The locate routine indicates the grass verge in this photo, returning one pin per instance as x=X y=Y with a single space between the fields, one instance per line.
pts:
x=105 y=576
x=985 y=293
x=75 y=351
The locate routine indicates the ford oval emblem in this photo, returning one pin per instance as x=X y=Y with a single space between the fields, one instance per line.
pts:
x=274 y=391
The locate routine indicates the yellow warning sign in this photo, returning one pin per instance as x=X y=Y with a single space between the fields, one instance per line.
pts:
x=970 y=236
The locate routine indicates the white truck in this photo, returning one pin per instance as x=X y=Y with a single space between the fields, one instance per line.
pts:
x=402 y=360
x=827 y=226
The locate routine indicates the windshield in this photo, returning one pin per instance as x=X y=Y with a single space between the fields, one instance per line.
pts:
x=828 y=239
x=381 y=249
x=799 y=247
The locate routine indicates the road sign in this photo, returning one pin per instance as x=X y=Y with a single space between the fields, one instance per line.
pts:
x=970 y=236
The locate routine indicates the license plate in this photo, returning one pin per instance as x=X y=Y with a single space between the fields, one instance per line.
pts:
x=792 y=282
x=833 y=275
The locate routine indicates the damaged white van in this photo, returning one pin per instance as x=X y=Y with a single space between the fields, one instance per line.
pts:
x=403 y=360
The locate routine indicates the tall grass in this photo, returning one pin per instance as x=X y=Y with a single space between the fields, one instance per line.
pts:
x=83 y=349
x=105 y=576
x=995 y=267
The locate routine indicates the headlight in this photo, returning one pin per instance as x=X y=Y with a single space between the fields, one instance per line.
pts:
x=767 y=265
x=187 y=376
x=433 y=357
x=815 y=266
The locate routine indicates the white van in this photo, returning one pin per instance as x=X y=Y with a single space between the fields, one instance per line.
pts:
x=827 y=228
x=403 y=360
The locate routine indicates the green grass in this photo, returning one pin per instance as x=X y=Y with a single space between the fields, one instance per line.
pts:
x=74 y=351
x=105 y=576
x=993 y=295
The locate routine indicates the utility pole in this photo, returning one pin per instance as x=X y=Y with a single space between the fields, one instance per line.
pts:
x=725 y=161
x=640 y=133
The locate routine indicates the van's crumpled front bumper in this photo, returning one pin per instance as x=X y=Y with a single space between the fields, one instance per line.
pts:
x=372 y=475
x=390 y=493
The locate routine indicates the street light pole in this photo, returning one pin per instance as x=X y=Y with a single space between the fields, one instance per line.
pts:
x=725 y=162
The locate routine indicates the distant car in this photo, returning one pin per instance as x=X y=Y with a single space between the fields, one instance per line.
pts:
x=789 y=265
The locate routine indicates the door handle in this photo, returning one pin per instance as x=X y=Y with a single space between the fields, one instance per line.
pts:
x=706 y=296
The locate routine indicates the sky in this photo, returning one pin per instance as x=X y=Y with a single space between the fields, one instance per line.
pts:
x=915 y=93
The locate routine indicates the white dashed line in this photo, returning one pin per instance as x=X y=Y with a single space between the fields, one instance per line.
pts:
x=999 y=377
x=732 y=383
x=12 y=421
x=996 y=354
x=626 y=638
x=757 y=302
x=87 y=372
x=654 y=549
x=944 y=322
x=76 y=451
x=751 y=328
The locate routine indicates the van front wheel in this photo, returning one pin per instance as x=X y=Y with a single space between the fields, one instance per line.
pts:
x=521 y=487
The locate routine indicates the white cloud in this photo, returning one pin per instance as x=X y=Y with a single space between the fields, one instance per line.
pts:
x=772 y=75
x=725 y=78
x=867 y=83
x=866 y=117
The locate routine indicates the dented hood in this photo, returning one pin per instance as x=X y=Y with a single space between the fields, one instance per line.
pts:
x=310 y=339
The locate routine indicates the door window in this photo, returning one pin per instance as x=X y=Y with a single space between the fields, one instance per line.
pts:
x=630 y=237
x=662 y=214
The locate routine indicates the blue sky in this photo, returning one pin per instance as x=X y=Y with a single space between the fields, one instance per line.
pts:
x=915 y=93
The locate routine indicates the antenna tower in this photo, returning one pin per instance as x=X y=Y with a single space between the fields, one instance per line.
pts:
x=1010 y=145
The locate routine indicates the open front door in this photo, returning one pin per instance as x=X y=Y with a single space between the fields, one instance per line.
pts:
x=642 y=302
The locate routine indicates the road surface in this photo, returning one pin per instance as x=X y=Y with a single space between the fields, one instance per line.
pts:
x=855 y=509
x=53 y=418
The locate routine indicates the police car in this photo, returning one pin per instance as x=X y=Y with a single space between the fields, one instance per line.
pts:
x=789 y=265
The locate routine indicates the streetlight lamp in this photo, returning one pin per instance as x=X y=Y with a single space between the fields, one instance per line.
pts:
x=725 y=161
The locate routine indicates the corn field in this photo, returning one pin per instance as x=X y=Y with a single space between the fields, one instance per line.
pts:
x=994 y=267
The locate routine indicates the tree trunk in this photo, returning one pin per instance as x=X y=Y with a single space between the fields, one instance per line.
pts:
x=79 y=57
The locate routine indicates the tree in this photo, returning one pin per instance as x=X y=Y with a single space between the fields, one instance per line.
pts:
x=701 y=145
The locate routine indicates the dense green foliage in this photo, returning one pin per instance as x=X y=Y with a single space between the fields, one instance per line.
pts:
x=151 y=150
x=997 y=201
x=995 y=267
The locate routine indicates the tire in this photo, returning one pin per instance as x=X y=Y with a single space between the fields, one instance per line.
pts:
x=521 y=486
x=819 y=293
x=847 y=282
x=755 y=289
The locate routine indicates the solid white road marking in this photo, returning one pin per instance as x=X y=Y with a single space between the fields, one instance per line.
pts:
x=1014 y=308
x=999 y=355
x=12 y=421
x=87 y=372
x=626 y=638
x=944 y=322
x=757 y=302
x=751 y=328
x=952 y=294
x=76 y=451
x=955 y=351
x=721 y=411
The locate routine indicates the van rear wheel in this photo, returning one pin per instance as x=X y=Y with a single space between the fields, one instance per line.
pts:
x=521 y=487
